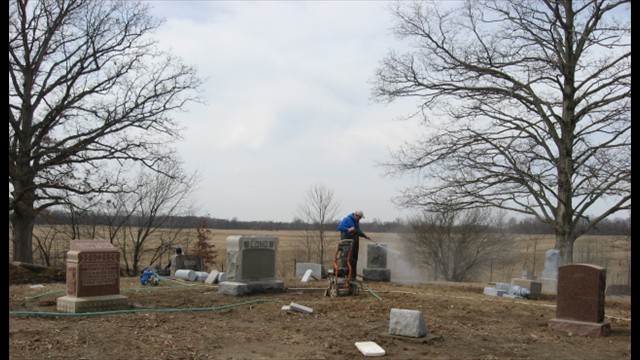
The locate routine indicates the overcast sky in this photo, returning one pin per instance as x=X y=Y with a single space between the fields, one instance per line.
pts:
x=288 y=105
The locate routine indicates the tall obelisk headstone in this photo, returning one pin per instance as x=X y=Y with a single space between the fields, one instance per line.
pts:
x=549 y=278
x=93 y=278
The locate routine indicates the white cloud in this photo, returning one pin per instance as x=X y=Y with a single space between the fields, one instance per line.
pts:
x=287 y=104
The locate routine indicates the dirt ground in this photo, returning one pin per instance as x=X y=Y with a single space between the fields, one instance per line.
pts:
x=191 y=320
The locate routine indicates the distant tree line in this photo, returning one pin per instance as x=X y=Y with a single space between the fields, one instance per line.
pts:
x=614 y=226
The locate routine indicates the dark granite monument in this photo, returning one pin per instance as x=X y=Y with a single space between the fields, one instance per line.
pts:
x=185 y=262
x=376 y=269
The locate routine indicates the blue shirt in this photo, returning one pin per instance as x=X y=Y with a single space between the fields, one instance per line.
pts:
x=350 y=222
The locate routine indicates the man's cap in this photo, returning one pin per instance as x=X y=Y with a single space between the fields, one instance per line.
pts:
x=359 y=213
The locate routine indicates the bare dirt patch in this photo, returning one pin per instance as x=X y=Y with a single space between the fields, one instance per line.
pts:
x=189 y=320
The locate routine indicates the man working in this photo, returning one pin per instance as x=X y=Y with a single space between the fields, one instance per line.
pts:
x=349 y=228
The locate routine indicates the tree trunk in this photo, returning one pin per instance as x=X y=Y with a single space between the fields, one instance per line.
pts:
x=22 y=220
x=564 y=243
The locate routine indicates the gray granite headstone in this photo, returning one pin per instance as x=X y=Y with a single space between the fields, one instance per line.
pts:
x=251 y=265
x=376 y=269
x=186 y=262
x=377 y=256
x=407 y=323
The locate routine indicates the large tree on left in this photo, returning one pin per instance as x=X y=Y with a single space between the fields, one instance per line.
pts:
x=89 y=93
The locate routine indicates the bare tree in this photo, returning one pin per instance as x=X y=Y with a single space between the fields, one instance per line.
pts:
x=526 y=107
x=50 y=244
x=456 y=245
x=316 y=212
x=140 y=220
x=88 y=93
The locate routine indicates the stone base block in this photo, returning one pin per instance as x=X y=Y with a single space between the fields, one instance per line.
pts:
x=72 y=304
x=549 y=285
x=581 y=328
x=239 y=288
x=369 y=274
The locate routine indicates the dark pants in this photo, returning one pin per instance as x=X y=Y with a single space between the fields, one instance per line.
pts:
x=354 y=252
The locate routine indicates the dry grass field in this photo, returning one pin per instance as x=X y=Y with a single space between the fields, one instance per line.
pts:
x=611 y=252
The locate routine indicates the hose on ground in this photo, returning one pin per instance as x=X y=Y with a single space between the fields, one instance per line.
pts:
x=221 y=307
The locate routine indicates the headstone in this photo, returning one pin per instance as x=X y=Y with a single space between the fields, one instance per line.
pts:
x=212 y=278
x=185 y=262
x=307 y=275
x=407 y=323
x=580 y=300
x=377 y=256
x=549 y=278
x=251 y=257
x=318 y=270
x=376 y=269
x=93 y=278
x=251 y=265
x=551 y=261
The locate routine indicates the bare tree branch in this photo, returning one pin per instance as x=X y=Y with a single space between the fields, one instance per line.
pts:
x=526 y=108
x=88 y=92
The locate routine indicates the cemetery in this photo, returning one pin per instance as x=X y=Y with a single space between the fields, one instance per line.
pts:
x=249 y=312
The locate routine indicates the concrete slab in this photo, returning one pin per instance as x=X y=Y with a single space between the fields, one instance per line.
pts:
x=234 y=288
x=370 y=348
x=72 y=304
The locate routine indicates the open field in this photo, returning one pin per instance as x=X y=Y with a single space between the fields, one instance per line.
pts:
x=611 y=252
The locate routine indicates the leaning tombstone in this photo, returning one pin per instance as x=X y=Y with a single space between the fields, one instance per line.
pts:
x=93 y=278
x=580 y=301
x=534 y=287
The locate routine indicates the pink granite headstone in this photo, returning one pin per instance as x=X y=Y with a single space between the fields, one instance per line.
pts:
x=93 y=269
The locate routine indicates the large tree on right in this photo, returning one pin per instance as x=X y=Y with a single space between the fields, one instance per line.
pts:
x=526 y=107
